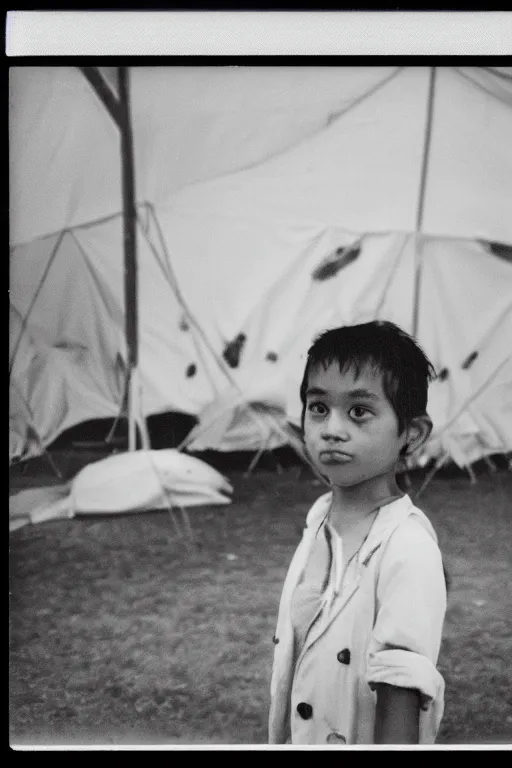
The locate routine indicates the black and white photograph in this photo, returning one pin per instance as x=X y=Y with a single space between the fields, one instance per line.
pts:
x=260 y=403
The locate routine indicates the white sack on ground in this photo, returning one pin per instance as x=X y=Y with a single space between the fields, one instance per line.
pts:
x=126 y=482
x=144 y=480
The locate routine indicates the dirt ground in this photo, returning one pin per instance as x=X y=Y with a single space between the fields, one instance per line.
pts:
x=120 y=633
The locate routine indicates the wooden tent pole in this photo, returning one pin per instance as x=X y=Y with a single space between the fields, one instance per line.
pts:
x=421 y=200
x=119 y=110
x=130 y=248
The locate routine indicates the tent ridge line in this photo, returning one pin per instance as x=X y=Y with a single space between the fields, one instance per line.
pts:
x=332 y=117
x=426 y=150
x=83 y=225
x=481 y=86
x=422 y=193
x=359 y=99
x=493 y=71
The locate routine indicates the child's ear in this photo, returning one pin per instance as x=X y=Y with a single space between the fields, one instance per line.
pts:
x=418 y=433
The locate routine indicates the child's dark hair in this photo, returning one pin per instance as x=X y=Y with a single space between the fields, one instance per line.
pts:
x=406 y=370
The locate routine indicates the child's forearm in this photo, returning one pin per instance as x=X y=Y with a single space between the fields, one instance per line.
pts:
x=397 y=715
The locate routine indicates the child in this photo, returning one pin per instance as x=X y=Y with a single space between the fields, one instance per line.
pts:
x=363 y=604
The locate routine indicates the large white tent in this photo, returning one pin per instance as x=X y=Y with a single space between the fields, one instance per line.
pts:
x=272 y=202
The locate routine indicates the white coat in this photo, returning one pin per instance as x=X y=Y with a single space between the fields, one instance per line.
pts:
x=385 y=626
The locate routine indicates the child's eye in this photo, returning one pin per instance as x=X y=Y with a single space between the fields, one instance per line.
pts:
x=359 y=412
x=319 y=409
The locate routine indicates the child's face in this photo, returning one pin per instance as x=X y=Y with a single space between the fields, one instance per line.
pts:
x=350 y=427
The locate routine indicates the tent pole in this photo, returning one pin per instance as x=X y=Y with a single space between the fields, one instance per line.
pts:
x=132 y=432
x=130 y=249
x=119 y=110
x=421 y=201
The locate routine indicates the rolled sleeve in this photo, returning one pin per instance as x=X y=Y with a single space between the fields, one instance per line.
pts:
x=411 y=605
x=405 y=669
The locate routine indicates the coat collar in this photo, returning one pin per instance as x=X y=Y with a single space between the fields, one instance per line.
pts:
x=389 y=516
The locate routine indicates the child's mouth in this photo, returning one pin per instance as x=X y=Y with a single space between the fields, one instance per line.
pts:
x=334 y=457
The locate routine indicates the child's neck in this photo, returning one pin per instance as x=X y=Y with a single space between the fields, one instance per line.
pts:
x=354 y=503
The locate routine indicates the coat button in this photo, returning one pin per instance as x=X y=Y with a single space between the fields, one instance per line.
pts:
x=336 y=738
x=344 y=656
x=275 y=640
x=305 y=710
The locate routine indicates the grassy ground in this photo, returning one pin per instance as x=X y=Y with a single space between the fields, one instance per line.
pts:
x=120 y=634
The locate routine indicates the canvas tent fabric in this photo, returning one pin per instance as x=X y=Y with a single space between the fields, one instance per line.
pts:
x=354 y=137
x=466 y=309
x=247 y=180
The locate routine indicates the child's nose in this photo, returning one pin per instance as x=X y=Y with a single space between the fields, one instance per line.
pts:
x=335 y=428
